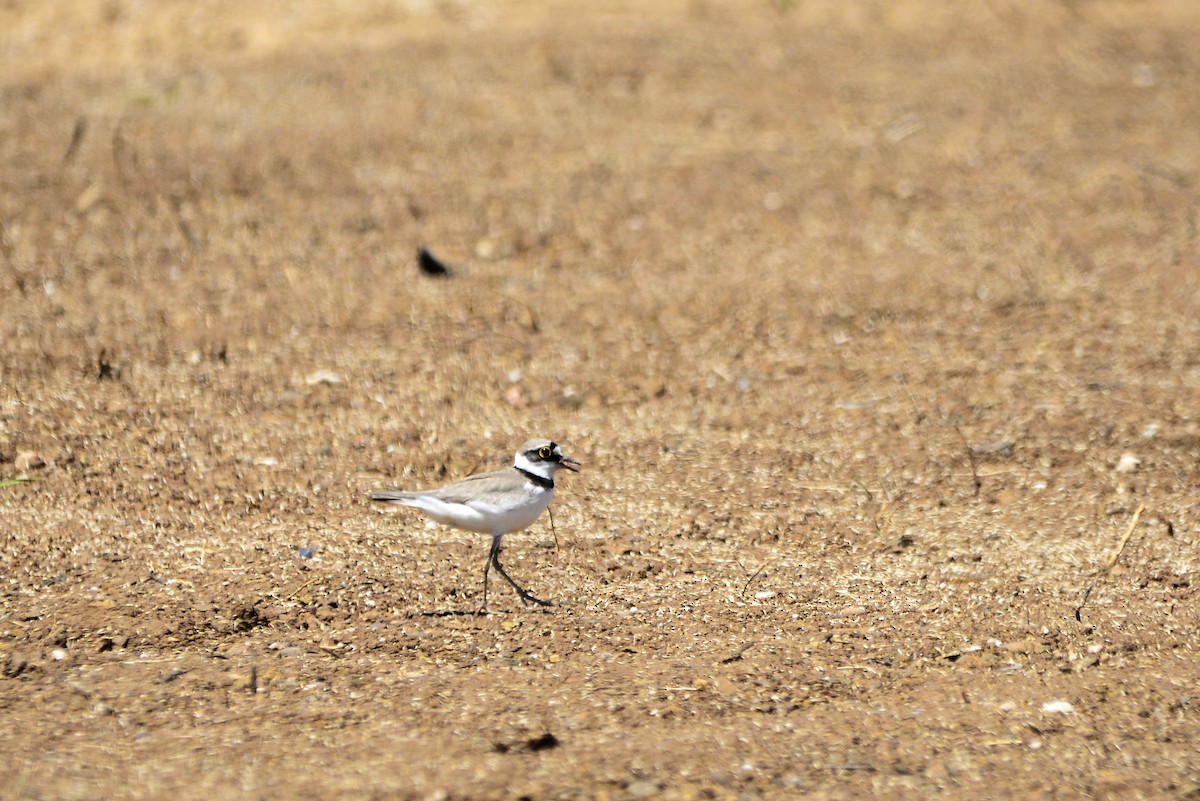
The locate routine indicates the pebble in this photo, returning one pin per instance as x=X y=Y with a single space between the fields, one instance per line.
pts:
x=1058 y=707
x=486 y=249
x=642 y=789
x=514 y=397
x=28 y=460
x=322 y=377
x=1128 y=463
x=490 y=249
x=1000 y=447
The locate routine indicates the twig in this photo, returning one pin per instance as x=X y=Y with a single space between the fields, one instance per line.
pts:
x=552 y=530
x=830 y=486
x=185 y=228
x=1086 y=594
x=864 y=668
x=1112 y=560
x=312 y=580
x=1137 y=515
x=76 y=140
x=736 y=656
x=756 y=574
x=971 y=456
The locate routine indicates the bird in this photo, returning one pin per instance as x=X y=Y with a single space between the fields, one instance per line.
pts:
x=495 y=503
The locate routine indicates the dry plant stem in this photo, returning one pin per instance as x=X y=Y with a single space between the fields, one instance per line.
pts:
x=553 y=531
x=755 y=575
x=1112 y=560
x=737 y=655
x=301 y=588
x=1137 y=515
x=971 y=457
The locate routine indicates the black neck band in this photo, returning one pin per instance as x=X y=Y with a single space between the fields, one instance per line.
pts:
x=541 y=481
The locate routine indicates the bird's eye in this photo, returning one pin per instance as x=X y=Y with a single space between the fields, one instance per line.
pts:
x=544 y=452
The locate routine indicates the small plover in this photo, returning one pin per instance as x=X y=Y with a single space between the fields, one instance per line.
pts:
x=494 y=503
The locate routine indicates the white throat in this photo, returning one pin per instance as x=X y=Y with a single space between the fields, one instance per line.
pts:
x=543 y=469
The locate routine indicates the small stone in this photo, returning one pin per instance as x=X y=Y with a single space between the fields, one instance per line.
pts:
x=1058 y=707
x=291 y=652
x=999 y=447
x=514 y=397
x=571 y=398
x=89 y=197
x=28 y=460
x=642 y=789
x=1128 y=463
x=490 y=248
x=322 y=377
x=485 y=249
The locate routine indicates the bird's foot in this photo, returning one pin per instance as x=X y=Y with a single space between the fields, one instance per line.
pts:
x=528 y=596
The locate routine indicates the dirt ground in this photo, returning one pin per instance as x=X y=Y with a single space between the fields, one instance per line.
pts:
x=875 y=326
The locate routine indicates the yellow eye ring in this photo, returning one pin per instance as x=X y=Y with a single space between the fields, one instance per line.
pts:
x=544 y=452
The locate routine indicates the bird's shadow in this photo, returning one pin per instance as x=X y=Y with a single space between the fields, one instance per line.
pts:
x=466 y=612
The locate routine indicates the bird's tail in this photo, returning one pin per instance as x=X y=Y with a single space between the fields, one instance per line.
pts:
x=392 y=497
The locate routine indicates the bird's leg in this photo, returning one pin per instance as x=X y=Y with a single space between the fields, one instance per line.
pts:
x=525 y=595
x=492 y=554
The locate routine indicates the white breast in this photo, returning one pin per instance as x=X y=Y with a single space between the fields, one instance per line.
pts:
x=491 y=516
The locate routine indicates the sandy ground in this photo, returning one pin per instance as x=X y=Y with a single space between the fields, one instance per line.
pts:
x=874 y=324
